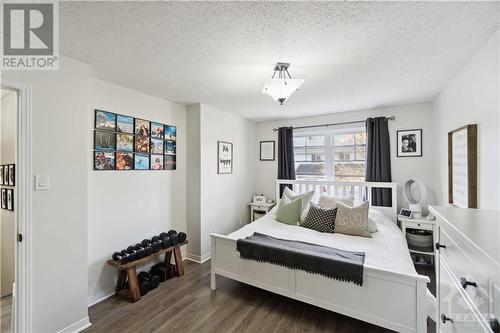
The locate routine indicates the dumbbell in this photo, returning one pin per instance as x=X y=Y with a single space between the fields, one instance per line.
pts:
x=146 y=244
x=122 y=258
x=144 y=283
x=156 y=243
x=171 y=232
x=174 y=239
x=165 y=240
x=182 y=237
x=137 y=253
x=141 y=251
x=132 y=254
x=154 y=280
x=163 y=235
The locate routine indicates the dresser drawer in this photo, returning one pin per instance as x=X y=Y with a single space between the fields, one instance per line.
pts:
x=467 y=271
x=454 y=308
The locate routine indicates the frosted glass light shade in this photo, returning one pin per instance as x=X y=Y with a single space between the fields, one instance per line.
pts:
x=280 y=90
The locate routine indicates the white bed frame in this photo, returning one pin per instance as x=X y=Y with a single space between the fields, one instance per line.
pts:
x=391 y=300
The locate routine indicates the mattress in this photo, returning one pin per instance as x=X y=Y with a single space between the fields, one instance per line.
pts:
x=386 y=250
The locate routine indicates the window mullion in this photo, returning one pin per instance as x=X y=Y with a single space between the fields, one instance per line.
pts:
x=329 y=156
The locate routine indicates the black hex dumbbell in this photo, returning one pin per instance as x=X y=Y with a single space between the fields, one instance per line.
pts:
x=182 y=237
x=144 y=283
x=171 y=232
x=132 y=254
x=146 y=243
x=165 y=240
x=141 y=251
x=156 y=243
x=122 y=258
x=174 y=239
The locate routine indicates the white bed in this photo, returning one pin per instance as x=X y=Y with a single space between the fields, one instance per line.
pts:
x=393 y=295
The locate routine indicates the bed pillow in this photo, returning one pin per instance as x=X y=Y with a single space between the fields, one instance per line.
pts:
x=327 y=201
x=372 y=226
x=289 y=211
x=306 y=197
x=320 y=219
x=353 y=220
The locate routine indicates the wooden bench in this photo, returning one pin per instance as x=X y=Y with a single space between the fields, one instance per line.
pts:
x=129 y=269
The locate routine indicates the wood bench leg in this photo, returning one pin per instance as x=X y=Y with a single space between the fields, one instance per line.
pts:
x=120 y=283
x=133 y=284
x=179 y=265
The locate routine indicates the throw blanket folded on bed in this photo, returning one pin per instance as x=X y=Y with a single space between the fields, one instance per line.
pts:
x=327 y=261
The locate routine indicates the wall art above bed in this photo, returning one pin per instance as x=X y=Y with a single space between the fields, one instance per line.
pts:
x=127 y=143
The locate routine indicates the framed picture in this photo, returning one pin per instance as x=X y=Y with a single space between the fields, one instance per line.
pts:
x=141 y=144
x=124 y=161
x=6 y=175
x=104 y=160
x=124 y=142
x=157 y=130
x=409 y=143
x=267 y=150
x=170 y=132
x=462 y=167
x=141 y=127
x=1 y=175
x=10 y=199
x=12 y=175
x=170 y=147
x=170 y=162
x=104 y=140
x=105 y=120
x=156 y=162
x=4 y=198
x=124 y=124
x=141 y=162
x=224 y=157
x=156 y=146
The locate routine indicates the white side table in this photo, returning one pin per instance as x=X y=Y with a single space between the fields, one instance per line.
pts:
x=261 y=207
x=421 y=223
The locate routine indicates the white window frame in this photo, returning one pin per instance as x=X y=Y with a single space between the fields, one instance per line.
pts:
x=329 y=147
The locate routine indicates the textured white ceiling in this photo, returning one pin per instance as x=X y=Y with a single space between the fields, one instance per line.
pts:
x=352 y=55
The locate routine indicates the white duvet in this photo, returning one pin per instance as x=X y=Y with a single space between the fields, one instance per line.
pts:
x=386 y=250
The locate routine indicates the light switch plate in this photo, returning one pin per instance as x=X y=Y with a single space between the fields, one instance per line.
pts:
x=42 y=182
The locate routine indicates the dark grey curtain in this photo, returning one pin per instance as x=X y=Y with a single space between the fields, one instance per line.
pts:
x=378 y=159
x=286 y=165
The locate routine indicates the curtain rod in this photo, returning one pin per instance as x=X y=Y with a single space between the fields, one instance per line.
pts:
x=334 y=124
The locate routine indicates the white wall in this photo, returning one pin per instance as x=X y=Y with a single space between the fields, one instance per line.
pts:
x=472 y=97
x=124 y=207
x=225 y=197
x=412 y=116
x=221 y=199
x=8 y=147
x=59 y=218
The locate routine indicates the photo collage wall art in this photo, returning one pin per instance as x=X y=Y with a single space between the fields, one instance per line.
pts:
x=7 y=178
x=127 y=143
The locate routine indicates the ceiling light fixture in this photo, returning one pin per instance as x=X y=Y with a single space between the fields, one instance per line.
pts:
x=281 y=88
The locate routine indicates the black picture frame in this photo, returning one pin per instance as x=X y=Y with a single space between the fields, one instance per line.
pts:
x=112 y=135
x=138 y=120
x=118 y=130
x=1 y=175
x=4 y=198
x=144 y=157
x=130 y=163
x=113 y=129
x=416 y=148
x=6 y=175
x=274 y=150
x=10 y=199
x=12 y=174
x=104 y=153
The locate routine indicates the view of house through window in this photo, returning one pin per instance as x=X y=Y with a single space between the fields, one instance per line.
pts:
x=331 y=155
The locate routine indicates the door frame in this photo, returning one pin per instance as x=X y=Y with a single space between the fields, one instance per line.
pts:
x=22 y=309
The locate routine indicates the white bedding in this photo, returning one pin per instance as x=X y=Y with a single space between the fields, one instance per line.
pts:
x=386 y=250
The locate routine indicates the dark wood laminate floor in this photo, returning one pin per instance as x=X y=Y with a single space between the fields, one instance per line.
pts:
x=5 y=313
x=186 y=304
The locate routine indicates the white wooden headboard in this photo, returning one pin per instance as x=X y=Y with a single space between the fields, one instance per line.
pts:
x=361 y=191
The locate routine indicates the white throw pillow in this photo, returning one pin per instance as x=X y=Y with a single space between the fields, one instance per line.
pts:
x=372 y=226
x=306 y=197
x=327 y=201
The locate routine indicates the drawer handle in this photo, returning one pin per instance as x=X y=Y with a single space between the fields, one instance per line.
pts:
x=439 y=246
x=444 y=319
x=465 y=283
x=495 y=326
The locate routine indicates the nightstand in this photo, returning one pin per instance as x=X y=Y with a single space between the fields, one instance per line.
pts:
x=259 y=208
x=421 y=223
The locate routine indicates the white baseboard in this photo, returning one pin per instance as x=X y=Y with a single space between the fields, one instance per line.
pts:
x=100 y=296
x=199 y=259
x=77 y=327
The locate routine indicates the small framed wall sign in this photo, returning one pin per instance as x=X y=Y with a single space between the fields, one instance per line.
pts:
x=462 y=167
x=4 y=198
x=12 y=175
x=267 y=150
x=1 y=175
x=10 y=199
x=224 y=157
x=409 y=143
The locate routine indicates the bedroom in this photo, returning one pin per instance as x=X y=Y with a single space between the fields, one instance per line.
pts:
x=197 y=71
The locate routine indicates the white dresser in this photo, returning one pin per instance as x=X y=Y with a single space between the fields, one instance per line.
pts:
x=467 y=269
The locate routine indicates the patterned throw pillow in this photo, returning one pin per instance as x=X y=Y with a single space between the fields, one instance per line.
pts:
x=353 y=220
x=320 y=219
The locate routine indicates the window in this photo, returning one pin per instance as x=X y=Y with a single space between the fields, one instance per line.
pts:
x=337 y=155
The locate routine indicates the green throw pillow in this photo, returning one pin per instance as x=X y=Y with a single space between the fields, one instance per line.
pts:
x=289 y=211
